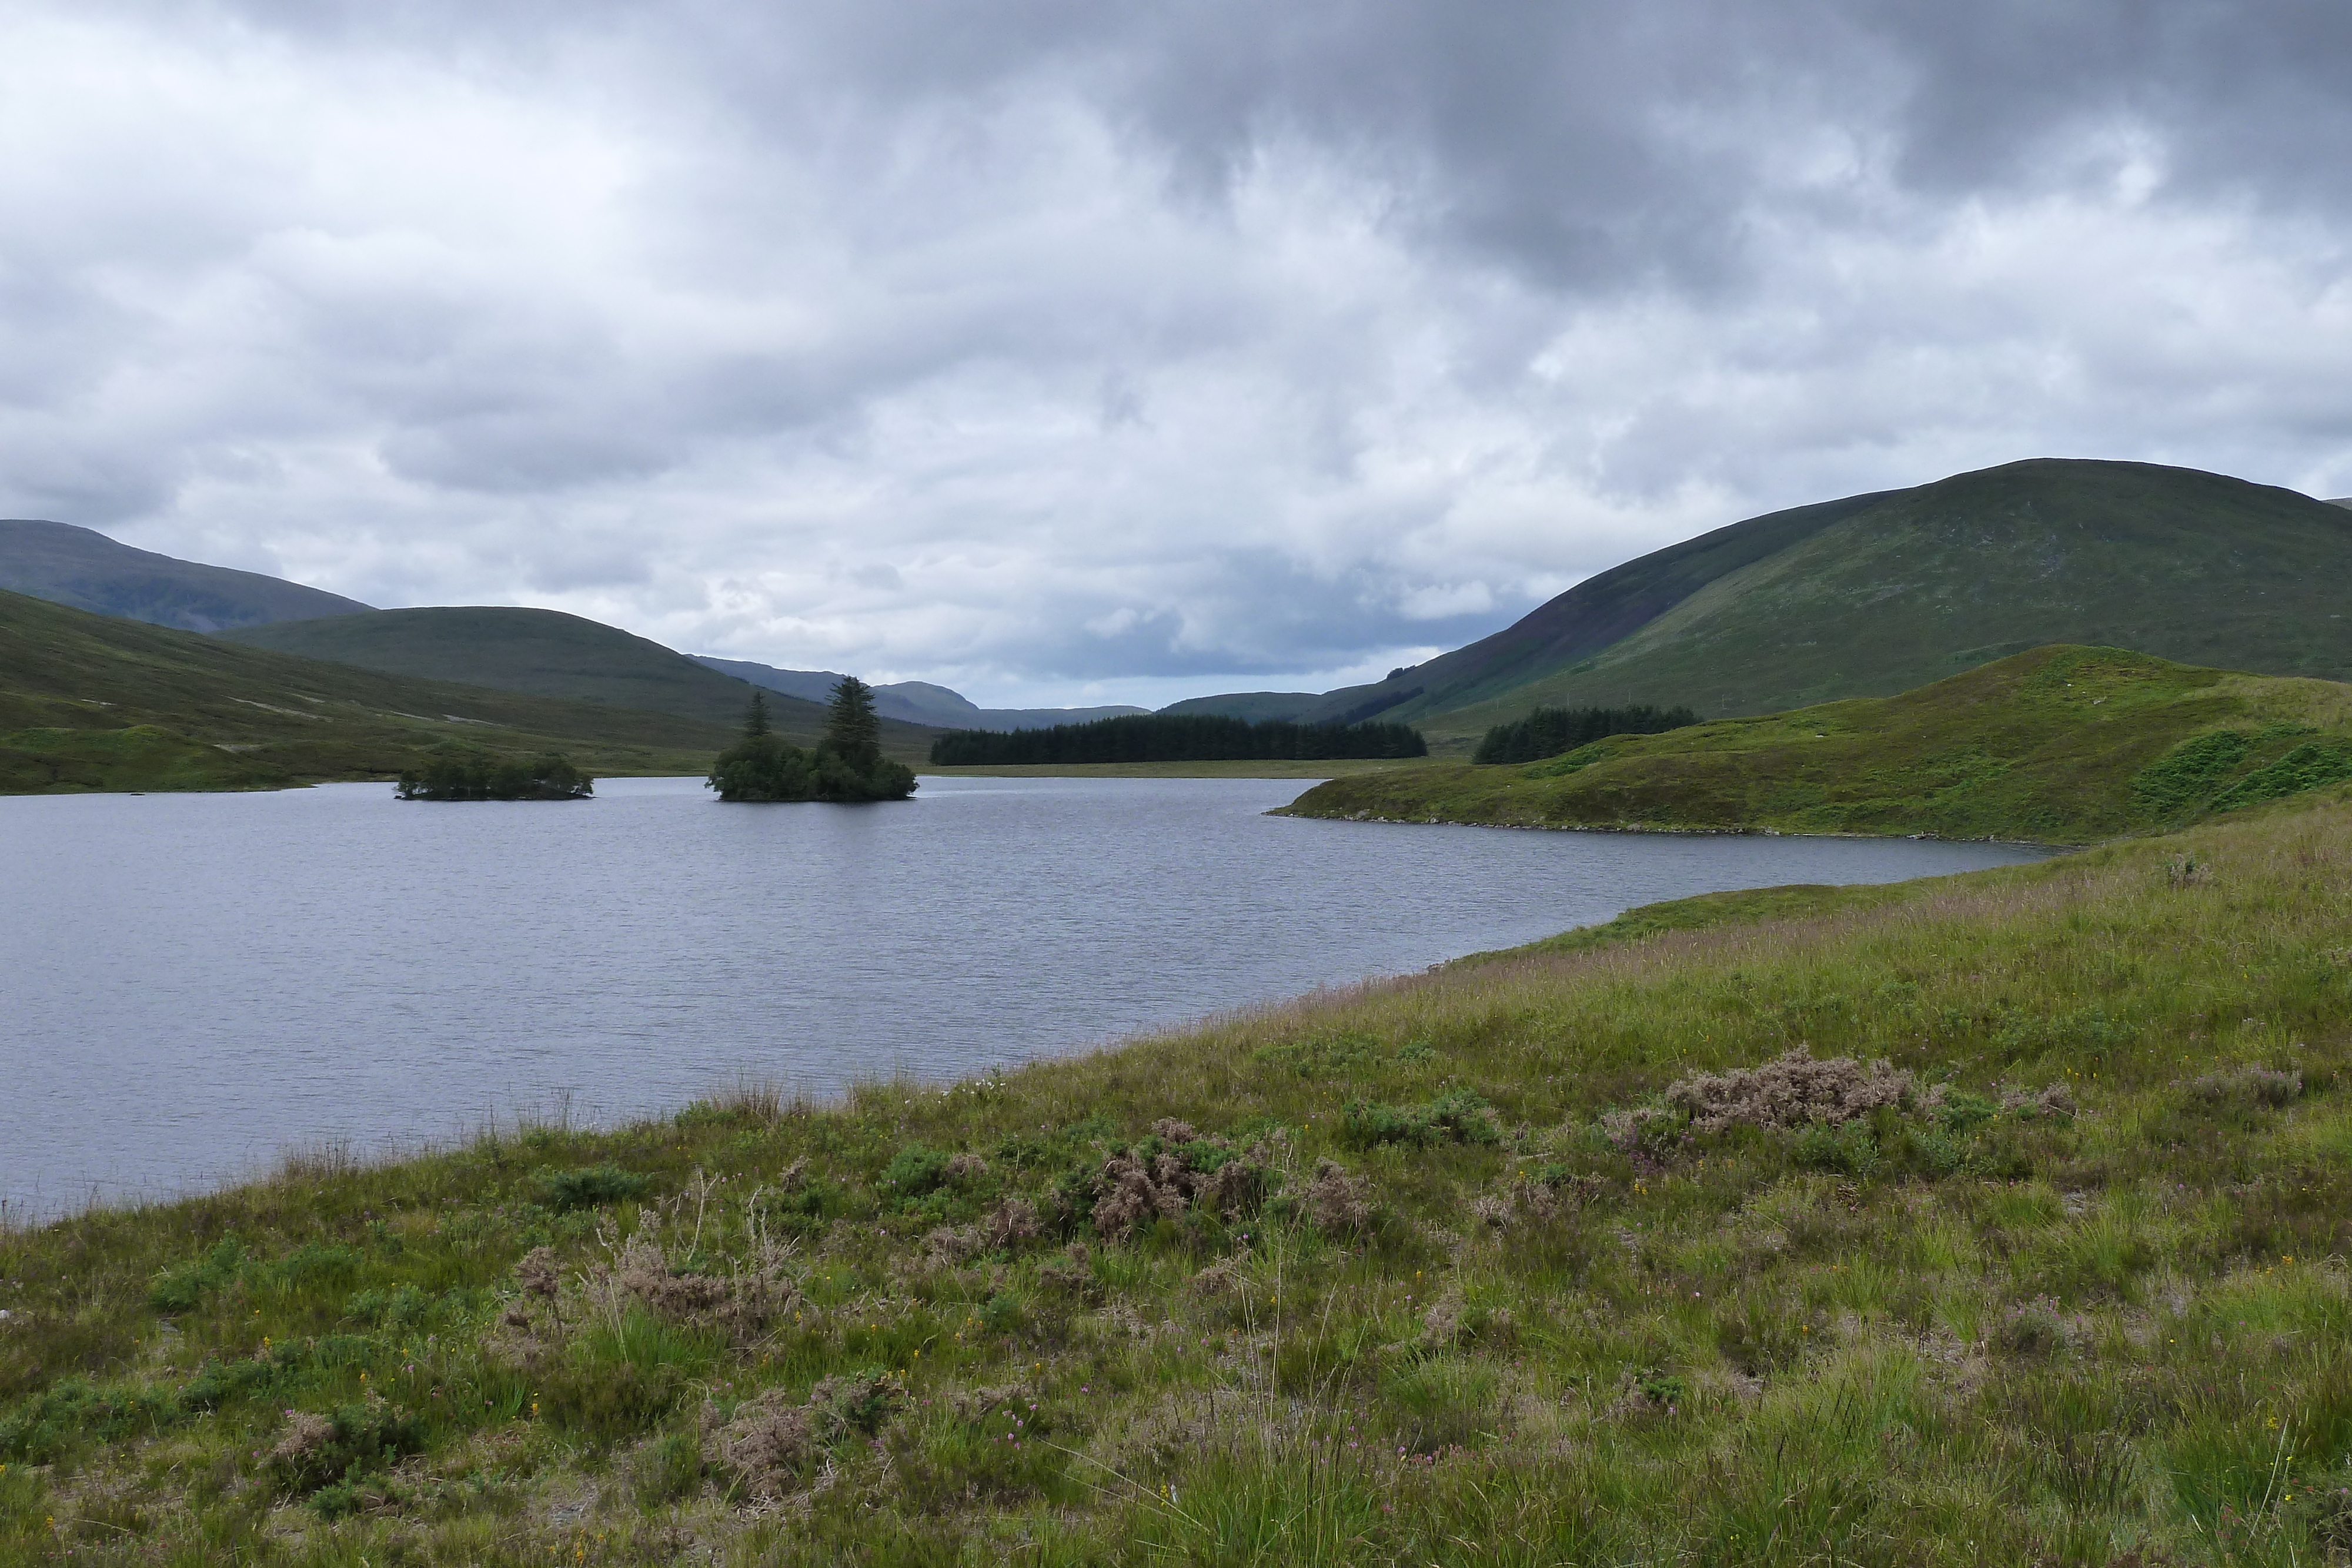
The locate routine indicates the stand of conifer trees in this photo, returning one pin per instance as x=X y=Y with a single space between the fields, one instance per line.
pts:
x=1177 y=737
x=847 y=765
x=1549 y=731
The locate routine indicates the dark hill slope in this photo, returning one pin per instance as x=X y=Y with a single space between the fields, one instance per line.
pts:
x=75 y=566
x=94 y=702
x=1596 y=613
x=2060 y=745
x=1252 y=706
x=550 y=653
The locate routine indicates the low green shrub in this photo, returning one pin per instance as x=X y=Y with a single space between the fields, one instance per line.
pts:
x=590 y=1186
x=1459 y=1116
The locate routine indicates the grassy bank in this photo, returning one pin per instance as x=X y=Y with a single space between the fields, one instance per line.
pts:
x=1343 y=768
x=2060 y=745
x=1475 y=1266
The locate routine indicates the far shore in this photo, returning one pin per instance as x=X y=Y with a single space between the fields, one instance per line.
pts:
x=1329 y=768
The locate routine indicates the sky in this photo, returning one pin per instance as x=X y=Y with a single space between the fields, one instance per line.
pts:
x=1069 y=351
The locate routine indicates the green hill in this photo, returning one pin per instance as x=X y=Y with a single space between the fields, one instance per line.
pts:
x=550 y=653
x=78 y=567
x=2060 y=745
x=1875 y=594
x=94 y=702
x=543 y=652
x=1254 y=706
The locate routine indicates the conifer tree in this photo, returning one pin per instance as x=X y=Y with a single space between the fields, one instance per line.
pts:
x=852 y=732
x=755 y=723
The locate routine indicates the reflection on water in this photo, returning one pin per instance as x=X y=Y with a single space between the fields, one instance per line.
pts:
x=192 y=983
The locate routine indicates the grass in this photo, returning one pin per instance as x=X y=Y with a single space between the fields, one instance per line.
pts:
x=91 y=702
x=1457 y=1276
x=2060 y=745
x=1336 y=767
x=1876 y=594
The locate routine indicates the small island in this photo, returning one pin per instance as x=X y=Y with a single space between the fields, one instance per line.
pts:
x=456 y=771
x=847 y=766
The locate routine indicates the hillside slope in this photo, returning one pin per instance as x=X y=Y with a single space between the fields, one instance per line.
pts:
x=1876 y=594
x=2059 y=745
x=84 y=568
x=550 y=653
x=1617 y=1255
x=94 y=702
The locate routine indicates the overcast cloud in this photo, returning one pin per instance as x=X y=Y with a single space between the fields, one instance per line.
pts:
x=1068 y=350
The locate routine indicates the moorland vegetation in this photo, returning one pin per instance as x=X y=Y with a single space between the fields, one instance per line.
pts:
x=1994 y=1218
x=2060 y=746
x=1176 y=738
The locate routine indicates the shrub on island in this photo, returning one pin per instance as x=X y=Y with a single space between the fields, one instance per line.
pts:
x=847 y=765
x=456 y=771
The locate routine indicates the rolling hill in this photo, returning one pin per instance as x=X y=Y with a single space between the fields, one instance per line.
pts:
x=547 y=653
x=2060 y=745
x=1875 y=594
x=1251 y=706
x=78 y=567
x=96 y=702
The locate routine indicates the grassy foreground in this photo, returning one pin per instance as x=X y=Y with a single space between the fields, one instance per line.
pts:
x=2060 y=745
x=1475 y=1266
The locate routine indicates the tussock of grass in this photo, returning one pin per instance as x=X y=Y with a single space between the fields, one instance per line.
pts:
x=2062 y=1281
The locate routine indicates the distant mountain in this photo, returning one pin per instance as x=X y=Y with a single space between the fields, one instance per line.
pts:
x=1254 y=706
x=1875 y=594
x=68 y=565
x=916 y=702
x=549 y=653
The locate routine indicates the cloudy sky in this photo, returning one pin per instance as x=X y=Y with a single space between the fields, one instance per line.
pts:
x=1069 y=351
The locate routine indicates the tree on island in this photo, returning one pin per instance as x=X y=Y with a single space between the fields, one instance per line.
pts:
x=457 y=772
x=847 y=765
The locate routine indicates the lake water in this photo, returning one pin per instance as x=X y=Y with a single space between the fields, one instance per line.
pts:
x=191 y=984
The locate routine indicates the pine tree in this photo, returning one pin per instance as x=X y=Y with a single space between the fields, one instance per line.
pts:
x=852 y=732
x=755 y=723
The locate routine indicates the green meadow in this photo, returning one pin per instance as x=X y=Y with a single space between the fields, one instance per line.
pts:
x=1996 y=1218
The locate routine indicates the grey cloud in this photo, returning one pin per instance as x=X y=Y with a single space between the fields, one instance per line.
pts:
x=1070 y=341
